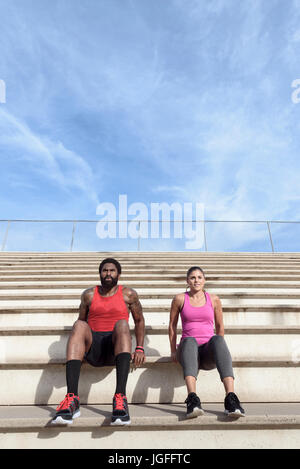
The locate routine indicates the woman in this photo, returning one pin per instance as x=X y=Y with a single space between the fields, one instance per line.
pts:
x=200 y=347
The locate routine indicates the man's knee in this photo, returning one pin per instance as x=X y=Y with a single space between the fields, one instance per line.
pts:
x=80 y=329
x=122 y=327
x=121 y=334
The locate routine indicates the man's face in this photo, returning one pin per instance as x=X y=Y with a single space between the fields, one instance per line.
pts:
x=109 y=275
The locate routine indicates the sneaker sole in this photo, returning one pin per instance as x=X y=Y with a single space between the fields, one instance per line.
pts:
x=236 y=414
x=61 y=421
x=196 y=413
x=119 y=422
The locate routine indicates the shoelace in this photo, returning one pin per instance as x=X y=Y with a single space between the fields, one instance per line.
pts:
x=192 y=400
x=233 y=399
x=65 y=404
x=120 y=404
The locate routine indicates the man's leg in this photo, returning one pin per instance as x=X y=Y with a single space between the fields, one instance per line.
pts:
x=79 y=343
x=121 y=340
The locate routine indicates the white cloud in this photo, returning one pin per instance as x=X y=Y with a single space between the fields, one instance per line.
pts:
x=52 y=160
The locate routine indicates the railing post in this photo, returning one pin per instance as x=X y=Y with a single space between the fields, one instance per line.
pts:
x=271 y=241
x=73 y=232
x=5 y=236
x=204 y=232
x=139 y=237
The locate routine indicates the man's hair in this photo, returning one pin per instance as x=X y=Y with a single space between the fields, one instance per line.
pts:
x=110 y=260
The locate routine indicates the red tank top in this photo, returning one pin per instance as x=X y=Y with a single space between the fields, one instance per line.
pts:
x=105 y=311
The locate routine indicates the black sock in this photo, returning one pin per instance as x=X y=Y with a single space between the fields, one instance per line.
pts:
x=122 y=368
x=72 y=374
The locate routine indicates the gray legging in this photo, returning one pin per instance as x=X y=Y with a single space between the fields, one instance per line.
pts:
x=212 y=354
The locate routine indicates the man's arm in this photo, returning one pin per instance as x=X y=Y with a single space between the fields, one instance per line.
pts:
x=84 y=304
x=136 y=310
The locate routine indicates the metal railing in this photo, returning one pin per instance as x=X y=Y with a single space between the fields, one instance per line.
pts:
x=74 y=224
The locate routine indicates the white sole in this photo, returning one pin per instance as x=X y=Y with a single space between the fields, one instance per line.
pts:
x=196 y=413
x=60 y=420
x=120 y=423
x=236 y=414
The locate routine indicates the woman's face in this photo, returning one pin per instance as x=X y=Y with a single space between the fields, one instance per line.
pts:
x=196 y=280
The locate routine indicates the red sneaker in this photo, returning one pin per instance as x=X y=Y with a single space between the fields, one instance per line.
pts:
x=120 y=414
x=67 y=410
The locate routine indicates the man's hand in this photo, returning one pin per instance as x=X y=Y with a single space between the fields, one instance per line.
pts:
x=138 y=358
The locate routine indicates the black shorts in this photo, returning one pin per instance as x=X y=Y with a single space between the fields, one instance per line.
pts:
x=101 y=352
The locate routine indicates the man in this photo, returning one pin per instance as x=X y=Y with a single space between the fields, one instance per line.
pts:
x=101 y=335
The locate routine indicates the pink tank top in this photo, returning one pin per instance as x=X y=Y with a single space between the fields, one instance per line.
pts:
x=197 y=321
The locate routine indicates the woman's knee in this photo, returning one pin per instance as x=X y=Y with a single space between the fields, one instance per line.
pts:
x=187 y=353
x=189 y=343
x=218 y=341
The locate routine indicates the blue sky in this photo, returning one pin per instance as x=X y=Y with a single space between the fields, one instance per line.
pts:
x=165 y=101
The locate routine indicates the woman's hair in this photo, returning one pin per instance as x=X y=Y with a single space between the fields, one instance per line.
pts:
x=191 y=269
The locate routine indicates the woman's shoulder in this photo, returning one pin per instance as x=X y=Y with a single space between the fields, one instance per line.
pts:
x=179 y=296
x=214 y=298
x=179 y=299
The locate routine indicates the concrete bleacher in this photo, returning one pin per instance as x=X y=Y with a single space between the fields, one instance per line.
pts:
x=39 y=299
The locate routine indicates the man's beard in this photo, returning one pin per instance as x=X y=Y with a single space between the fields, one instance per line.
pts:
x=112 y=282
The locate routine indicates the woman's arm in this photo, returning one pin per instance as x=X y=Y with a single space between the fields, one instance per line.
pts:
x=174 y=314
x=219 y=324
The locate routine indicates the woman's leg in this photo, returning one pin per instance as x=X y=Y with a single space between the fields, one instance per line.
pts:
x=187 y=354
x=216 y=354
x=188 y=358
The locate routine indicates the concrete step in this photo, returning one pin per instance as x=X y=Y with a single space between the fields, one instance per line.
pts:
x=64 y=316
x=43 y=382
x=129 y=255
x=157 y=304
x=145 y=255
x=260 y=295
x=159 y=264
x=153 y=426
x=94 y=279
x=49 y=343
x=152 y=293
x=168 y=270
x=158 y=284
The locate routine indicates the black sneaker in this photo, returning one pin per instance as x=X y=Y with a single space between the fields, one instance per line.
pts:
x=67 y=410
x=233 y=407
x=120 y=414
x=193 y=406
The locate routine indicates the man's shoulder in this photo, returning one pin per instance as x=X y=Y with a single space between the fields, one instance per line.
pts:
x=129 y=293
x=88 y=293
